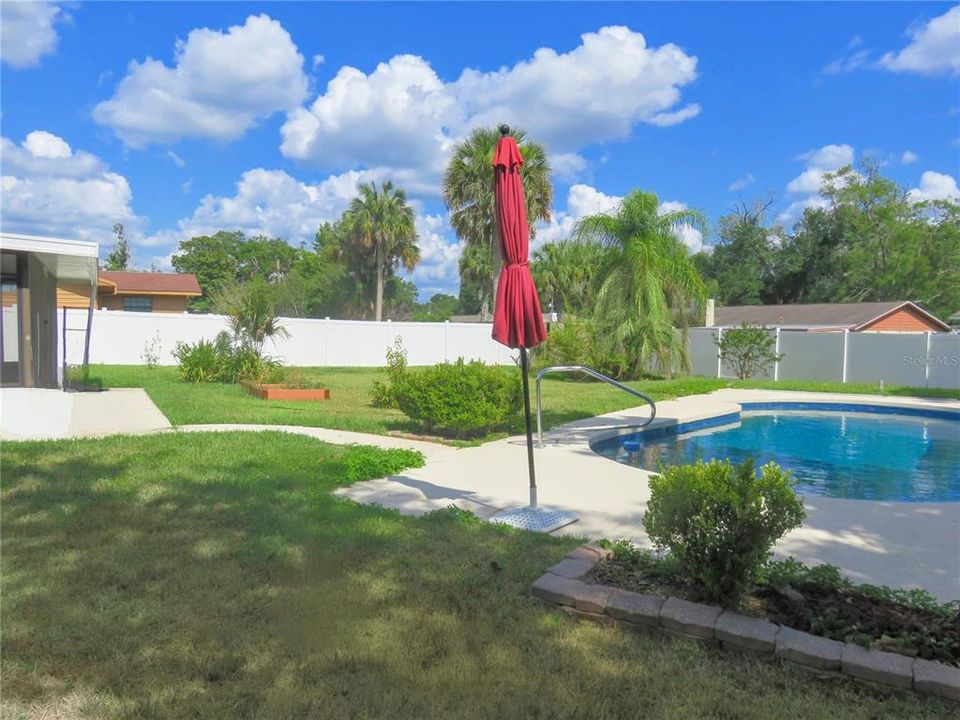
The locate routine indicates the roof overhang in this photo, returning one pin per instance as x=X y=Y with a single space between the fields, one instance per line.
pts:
x=64 y=259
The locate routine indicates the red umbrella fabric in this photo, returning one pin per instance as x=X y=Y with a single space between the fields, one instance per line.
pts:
x=517 y=318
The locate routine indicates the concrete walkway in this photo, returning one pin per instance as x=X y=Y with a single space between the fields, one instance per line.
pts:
x=40 y=414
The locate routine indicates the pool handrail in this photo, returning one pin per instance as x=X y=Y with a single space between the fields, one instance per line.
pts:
x=598 y=376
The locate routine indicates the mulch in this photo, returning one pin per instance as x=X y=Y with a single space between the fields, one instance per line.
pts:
x=837 y=613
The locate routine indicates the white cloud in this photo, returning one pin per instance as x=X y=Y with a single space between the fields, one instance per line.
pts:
x=177 y=160
x=27 y=32
x=270 y=202
x=847 y=64
x=42 y=144
x=405 y=116
x=805 y=188
x=934 y=47
x=909 y=157
x=48 y=189
x=220 y=86
x=935 y=186
x=318 y=60
x=439 y=257
x=741 y=183
x=567 y=166
x=582 y=200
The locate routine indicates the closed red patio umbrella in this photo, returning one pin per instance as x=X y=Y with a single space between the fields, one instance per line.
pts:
x=517 y=317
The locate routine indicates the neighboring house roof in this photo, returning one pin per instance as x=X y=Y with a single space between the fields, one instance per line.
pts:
x=150 y=283
x=955 y=318
x=819 y=316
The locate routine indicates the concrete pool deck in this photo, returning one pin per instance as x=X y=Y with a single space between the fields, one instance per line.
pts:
x=884 y=543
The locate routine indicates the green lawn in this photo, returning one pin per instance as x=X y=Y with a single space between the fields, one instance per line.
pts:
x=349 y=405
x=214 y=576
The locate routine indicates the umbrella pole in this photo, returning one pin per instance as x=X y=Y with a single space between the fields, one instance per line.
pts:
x=524 y=367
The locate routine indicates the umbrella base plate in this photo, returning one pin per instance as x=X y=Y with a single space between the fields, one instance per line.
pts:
x=535 y=518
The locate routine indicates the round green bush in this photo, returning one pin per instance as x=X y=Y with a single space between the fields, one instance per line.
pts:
x=720 y=521
x=460 y=399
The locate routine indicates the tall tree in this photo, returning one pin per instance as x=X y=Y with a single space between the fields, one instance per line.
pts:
x=380 y=222
x=566 y=274
x=119 y=257
x=742 y=262
x=648 y=279
x=468 y=191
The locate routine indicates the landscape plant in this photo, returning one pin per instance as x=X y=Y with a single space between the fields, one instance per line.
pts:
x=719 y=521
x=460 y=399
x=647 y=280
x=384 y=394
x=747 y=349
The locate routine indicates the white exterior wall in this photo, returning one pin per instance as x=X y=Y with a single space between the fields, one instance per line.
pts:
x=119 y=338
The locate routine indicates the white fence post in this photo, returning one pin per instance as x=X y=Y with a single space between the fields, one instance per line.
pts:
x=776 y=363
x=926 y=360
x=846 y=337
x=719 y=358
x=446 y=342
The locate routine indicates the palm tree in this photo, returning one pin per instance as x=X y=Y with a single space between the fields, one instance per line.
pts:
x=382 y=221
x=647 y=279
x=468 y=189
x=566 y=274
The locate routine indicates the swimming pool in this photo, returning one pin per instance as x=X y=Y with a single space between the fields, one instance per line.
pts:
x=857 y=452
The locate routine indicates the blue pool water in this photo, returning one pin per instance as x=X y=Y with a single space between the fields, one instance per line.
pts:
x=862 y=456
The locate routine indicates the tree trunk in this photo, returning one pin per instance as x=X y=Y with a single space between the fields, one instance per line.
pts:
x=380 y=264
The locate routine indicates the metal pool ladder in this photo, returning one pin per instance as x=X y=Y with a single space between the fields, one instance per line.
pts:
x=599 y=376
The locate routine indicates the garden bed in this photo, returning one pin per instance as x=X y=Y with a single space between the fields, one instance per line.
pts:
x=865 y=615
x=278 y=391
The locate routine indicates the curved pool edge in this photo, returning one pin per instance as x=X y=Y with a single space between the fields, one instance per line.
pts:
x=729 y=410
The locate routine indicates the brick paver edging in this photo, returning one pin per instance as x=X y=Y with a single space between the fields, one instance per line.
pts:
x=563 y=585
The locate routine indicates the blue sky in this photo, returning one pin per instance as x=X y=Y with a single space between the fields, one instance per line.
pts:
x=183 y=118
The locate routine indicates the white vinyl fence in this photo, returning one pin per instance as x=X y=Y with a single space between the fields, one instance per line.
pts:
x=120 y=338
x=915 y=359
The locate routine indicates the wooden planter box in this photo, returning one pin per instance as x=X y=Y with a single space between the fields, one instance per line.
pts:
x=276 y=391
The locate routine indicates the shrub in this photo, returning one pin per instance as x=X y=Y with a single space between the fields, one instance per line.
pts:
x=198 y=362
x=577 y=341
x=460 y=399
x=720 y=522
x=747 y=349
x=223 y=361
x=384 y=394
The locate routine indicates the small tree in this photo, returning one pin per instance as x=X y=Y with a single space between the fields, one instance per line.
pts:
x=119 y=257
x=747 y=349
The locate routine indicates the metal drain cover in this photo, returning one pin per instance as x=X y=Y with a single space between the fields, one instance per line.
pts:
x=535 y=518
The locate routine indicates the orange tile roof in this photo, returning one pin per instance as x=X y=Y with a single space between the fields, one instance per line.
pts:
x=152 y=283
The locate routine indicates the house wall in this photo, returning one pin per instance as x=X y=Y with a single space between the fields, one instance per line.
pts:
x=161 y=303
x=73 y=295
x=903 y=320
